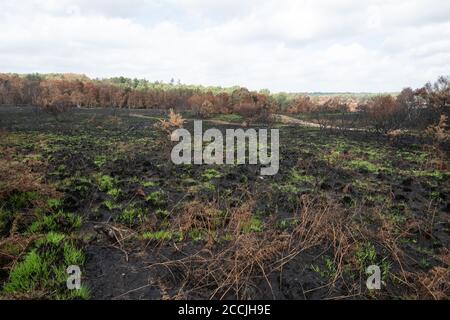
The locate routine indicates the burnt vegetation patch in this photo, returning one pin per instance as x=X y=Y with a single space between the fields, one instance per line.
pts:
x=96 y=188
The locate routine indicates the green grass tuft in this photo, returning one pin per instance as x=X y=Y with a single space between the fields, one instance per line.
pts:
x=44 y=269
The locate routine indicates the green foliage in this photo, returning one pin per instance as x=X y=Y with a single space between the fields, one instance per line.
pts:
x=254 y=225
x=385 y=269
x=436 y=174
x=110 y=205
x=286 y=223
x=21 y=200
x=365 y=255
x=207 y=187
x=81 y=294
x=332 y=157
x=55 y=203
x=73 y=256
x=53 y=238
x=115 y=193
x=329 y=269
x=156 y=198
x=424 y=263
x=397 y=216
x=210 y=174
x=149 y=184
x=291 y=191
x=162 y=213
x=131 y=215
x=105 y=183
x=162 y=235
x=27 y=275
x=297 y=177
x=364 y=165
x=100 y=161
x=44 y=269
x=82 y=185
x=197 y=235
x=56 y=222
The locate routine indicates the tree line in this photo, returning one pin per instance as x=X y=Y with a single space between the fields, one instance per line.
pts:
x=59 y=92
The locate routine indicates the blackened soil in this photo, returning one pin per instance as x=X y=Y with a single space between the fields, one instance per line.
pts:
x=360 y=171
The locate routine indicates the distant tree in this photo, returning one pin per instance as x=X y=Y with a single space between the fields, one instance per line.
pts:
x=302 y=104
x=206 y=109
x=382 y=113
x=437 y=97
x=195 y=102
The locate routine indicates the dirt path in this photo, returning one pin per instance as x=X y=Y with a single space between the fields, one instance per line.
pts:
x=290 y=120
x=279 y=118
x=221 y=122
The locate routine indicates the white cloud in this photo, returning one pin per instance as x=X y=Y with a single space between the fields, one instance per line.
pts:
x=281 y=45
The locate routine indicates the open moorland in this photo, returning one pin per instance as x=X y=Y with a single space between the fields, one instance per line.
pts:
x=96 y=188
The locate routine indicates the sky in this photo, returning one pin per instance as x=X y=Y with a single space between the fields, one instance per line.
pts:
x=280 y=45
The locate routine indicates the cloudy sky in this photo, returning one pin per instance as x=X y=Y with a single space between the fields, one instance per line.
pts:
x=282 y=45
